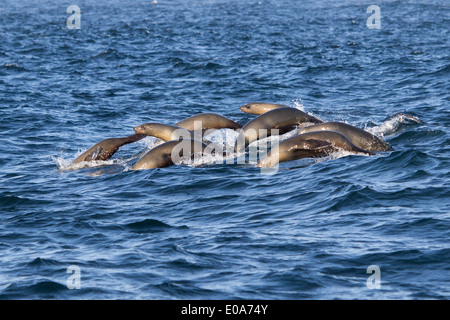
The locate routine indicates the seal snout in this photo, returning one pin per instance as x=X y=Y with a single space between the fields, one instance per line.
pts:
x=139 y=129
x=245 y=108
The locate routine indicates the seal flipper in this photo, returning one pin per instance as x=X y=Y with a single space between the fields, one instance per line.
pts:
x=321 y=146
x=316 y=144
x=106 y=148
x=360 y=150
x=313 y=148
x=286 y=129
x=97 y=154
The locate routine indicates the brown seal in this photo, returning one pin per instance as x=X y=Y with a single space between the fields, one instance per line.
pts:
x=284 y=119
x=106 y=148
x=260 y=107
x=165 y=132
x=208 y=121
x=163 y=155
x=307 y=145
x=357 y=136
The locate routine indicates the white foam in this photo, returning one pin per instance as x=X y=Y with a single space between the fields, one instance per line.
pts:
x=390 y=126
x=67 y=165
x=296 y=103
x=224 y=137
x=340 y=153
x=204 y=159
x=150 y=142
x=225 y=140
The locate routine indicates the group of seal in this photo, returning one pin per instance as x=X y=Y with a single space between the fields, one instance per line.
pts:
x=315 y=138
x=160 y=156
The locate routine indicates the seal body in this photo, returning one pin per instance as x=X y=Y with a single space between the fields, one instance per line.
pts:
x=106 y=148
x=260 y=107
x=284 y=119
x=357 y=136
x=165 y=132
x=208 y=121
x=170 y=152
x=307 y=145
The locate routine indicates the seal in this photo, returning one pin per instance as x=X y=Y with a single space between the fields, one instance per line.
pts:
x=163 y=155
x=408 y=116
x=307 y=145
x=106 y=148
x=360 y=138
x=208 y=121
x=165 y=132
x=260 y=107
x=284 y=119
x=168 y=132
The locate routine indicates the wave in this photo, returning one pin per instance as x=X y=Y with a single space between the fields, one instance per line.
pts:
x=40 y=262
x=297 y=103
x=43 y=289
x=149 y=226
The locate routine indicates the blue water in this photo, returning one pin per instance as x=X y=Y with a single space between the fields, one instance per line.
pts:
x=223 y=231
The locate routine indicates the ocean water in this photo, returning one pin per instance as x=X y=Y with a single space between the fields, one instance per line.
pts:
x=211 y=230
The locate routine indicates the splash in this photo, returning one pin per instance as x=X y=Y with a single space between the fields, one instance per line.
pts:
x=224 y=137
x=64 y=164
x=393 y=125
x=225 y=140
x=297 y=103
x=340 y=153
